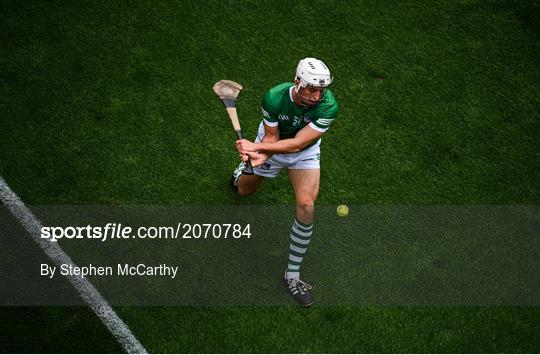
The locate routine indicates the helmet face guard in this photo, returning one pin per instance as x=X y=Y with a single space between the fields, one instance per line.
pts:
x=306 y=101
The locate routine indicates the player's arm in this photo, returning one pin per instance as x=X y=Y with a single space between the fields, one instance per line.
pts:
x=303 y=138
x=270 y=120
x=270 y=124
x=271 y=134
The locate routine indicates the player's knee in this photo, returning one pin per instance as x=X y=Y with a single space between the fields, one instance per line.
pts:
x=243 y=191
x=248 y=185
x=246 y=189
x=306 y=206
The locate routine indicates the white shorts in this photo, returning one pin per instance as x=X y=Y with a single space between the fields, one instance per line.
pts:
x=307 y=159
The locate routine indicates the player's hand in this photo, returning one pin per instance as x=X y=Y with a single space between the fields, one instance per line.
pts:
x=256 y=158
x=244 y=146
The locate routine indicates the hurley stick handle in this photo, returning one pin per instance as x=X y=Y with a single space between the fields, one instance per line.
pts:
x=248 y=169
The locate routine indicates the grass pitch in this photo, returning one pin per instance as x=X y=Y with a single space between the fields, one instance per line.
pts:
x=111 y=103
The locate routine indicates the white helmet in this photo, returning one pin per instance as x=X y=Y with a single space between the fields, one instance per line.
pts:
x=313 y=72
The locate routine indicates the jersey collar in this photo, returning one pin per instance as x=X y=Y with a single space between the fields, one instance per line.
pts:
x=291 y=94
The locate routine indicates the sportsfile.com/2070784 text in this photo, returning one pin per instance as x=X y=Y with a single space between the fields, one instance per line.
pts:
x=119 y=231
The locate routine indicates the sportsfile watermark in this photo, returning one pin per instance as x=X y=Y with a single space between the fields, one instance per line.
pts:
x=236 y=255
x=120 y=231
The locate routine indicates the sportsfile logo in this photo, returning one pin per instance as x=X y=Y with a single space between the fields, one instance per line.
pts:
x=109 y=231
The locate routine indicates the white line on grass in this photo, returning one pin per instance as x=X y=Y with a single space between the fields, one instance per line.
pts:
x=85 y=289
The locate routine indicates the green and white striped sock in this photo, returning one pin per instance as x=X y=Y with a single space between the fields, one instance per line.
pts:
x=300 y=237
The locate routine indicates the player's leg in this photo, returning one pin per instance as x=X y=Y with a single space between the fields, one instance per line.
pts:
x=305 y=184
x=248 y=184
x=306 y=188
x=245 y=184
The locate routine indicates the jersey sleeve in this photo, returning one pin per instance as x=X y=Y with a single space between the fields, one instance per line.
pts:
x=324 y=118
x=268 y=111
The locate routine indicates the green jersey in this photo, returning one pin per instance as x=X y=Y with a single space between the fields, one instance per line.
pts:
x=279 y=109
